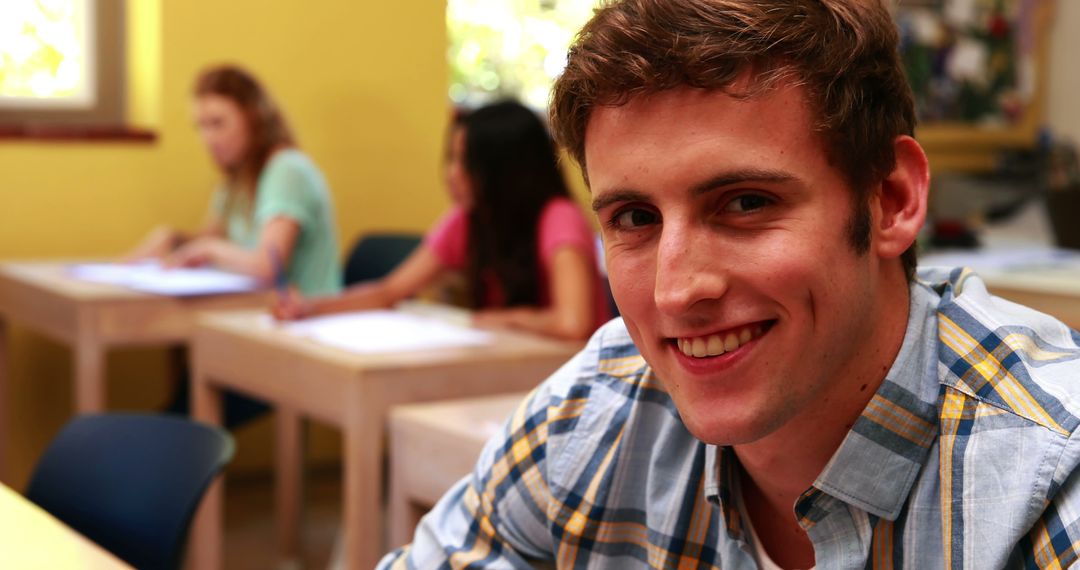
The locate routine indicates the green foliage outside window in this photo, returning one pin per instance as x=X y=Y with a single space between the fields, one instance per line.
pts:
x=43 y=49
x=510 y=48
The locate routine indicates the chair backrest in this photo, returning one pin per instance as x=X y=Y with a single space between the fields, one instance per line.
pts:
x=131 y=482
x=376 y=254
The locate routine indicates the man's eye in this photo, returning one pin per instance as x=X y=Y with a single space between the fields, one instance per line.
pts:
x=747 y=203
x=633 y=218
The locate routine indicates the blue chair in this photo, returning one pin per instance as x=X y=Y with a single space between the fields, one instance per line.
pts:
x=377 y=254
x=131 y=482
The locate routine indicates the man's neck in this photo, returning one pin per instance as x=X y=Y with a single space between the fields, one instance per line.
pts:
x=779 y=534
x=777 y=471
x=779 y=468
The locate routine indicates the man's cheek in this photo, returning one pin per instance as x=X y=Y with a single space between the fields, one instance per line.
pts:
x=631 y=281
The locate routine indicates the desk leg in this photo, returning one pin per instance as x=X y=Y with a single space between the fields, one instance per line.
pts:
x=362 y=483
x=89 y=377
x=402 y=513
x=208 y=533
x=5 y=418
x=289 y=482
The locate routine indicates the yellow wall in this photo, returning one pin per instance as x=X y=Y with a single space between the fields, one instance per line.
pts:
x=361 y=82
x=364 y=86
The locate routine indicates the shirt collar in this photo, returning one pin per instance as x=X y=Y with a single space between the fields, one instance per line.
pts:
x=880 y=458
x=877 y=463
x=721 y=486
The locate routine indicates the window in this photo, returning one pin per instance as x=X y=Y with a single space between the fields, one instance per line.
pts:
x=510 y=48
x=61 y=62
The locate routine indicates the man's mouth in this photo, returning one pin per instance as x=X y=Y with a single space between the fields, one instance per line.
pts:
x=723 y=342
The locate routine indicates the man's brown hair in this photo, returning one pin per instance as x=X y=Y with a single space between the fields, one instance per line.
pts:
x=842 y=52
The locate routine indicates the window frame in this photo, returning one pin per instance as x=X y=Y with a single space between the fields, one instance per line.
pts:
x=108 y=32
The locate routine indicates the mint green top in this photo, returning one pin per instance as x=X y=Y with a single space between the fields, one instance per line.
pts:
x=291 y=186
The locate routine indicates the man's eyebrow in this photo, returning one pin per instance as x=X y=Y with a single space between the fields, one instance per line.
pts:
x=741 y=177
x=730 y=178
x=608 y=198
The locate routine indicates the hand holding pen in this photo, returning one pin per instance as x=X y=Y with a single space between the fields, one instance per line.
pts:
x=277 y=268
x=288 y=304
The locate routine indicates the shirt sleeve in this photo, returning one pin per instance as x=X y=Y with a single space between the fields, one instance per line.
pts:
x=286 y=189
x=1054 y=540
x=497 y=517
x=563 y=224
x=217 y=202
x=448 y=238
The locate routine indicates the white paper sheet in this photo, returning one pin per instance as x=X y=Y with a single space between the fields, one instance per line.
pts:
x=370 y=332
x=151 y=277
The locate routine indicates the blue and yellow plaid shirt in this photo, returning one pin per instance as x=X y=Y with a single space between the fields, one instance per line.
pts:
x=964 y=458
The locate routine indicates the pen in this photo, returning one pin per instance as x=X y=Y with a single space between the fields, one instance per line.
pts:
x=281 y=282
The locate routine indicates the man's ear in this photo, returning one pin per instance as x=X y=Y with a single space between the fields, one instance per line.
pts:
x=901 y=201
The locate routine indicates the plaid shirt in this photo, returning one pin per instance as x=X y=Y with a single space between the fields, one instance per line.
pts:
x=962 y=459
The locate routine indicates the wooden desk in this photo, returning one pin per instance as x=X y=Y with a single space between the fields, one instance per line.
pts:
x=32 y=539
x=432 y=446
x=92 y=318
x=241 y=351
x=1052 y=291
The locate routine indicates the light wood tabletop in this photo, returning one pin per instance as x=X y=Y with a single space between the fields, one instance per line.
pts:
x=244 y=351
x=32 y=539
x=92 y=318
x=1023 y=269
x=1054 y=291
x=432 y=446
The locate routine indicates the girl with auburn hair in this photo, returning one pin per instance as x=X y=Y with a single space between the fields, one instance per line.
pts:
x=273 y=210
x=525 y=247
x=272 y=213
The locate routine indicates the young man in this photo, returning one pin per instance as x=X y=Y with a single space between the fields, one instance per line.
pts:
x=783 y=390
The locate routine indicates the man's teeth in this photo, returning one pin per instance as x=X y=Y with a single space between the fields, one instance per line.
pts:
x=717 y=344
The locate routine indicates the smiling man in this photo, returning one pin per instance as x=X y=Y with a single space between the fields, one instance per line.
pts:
x=783 y=391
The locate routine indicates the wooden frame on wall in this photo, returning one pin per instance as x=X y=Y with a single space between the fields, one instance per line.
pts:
x=967 y=147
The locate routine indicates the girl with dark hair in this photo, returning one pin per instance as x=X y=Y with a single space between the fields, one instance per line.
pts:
x=273 y=211
x=525 y=248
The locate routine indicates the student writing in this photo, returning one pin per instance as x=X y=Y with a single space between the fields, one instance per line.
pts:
x=272 y=217
x=273 y=210
x=524 y=246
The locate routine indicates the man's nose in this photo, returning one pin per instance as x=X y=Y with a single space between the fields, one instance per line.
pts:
x=690 y=268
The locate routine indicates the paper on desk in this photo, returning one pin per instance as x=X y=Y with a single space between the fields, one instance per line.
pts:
x=151 y=277
x=386 y=331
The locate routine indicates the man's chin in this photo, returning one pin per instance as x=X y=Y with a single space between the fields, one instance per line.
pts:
x=729 y=432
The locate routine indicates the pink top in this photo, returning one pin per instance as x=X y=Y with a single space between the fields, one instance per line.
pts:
x=561 y=224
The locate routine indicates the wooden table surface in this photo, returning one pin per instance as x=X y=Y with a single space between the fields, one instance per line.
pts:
x=32 y=539
x=432 y=446
x=243 y=351
x=1054 y=291
x=92 y=318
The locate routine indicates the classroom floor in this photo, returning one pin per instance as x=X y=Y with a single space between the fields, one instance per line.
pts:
x=249 y=520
